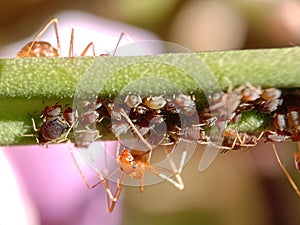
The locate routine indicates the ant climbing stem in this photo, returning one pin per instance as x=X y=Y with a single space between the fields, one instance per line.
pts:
x=292 y=182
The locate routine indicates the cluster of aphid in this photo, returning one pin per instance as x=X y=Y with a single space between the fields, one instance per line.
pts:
x=227 y=108
x=164 y=120
x=159 y=119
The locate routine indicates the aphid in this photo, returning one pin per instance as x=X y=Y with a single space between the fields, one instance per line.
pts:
x=234 y=140
x=273 y=136
x=270 y=94
x=55 y=126
x=250 y=93
x=51 y=111
x=186 y=103
x=219 y=114
x=155 y=102
x=133 y=100
x=71 y=116
x=53 y=130
x=38 y=48
x=86 y=136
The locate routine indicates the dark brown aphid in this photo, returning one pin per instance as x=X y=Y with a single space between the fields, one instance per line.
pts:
x=70 y=116
x=52 y=131
x=55 y=127
x=51 y=111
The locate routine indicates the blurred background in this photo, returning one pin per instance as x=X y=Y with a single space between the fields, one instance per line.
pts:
x=196 y=24
x=243 y=187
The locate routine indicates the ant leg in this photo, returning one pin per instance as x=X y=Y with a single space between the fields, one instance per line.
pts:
x=112 y=200
x=71 y=48
x=123 y=113
x=119 y=40
x=297 y=157
x=90 y=45
x=71 y=150
x=37 y=37
x=285 y=171
x=179 y=182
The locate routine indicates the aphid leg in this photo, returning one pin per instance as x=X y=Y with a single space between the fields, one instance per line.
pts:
x=35 y=130
x=226 y=148
x=293 y=184
x=34 y=125
x=260 y=135
x=37 y=37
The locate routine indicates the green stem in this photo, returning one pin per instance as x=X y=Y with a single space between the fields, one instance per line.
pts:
x=28 y=85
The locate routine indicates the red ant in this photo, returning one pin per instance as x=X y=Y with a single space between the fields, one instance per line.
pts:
x=38 y=48
x=135 y=164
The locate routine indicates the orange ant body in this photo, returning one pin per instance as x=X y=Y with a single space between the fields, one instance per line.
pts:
x=38 y=48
